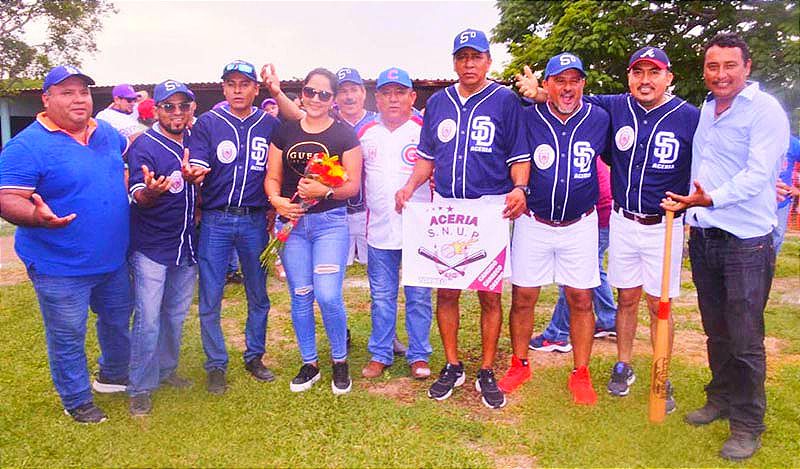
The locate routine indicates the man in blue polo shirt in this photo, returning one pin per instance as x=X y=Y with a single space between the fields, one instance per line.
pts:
x=163 y=239
x=61 y=182
x=231 y=142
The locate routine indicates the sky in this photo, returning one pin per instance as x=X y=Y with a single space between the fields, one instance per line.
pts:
x=191 y=41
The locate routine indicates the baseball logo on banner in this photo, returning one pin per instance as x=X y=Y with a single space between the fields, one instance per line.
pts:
x=456 y=244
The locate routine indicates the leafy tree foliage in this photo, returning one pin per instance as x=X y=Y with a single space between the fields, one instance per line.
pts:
x=69 y=25
x=604 y=34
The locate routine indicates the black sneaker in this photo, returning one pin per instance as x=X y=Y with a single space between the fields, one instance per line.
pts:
x=491 y=396
x=87 y=413
x=258 y=370
x=622 y=377
x=216 y=383
x=140 y=405
x=308 y=375
x=451 y=377
x=234 y=277
x=341 y=383
x=740 y=446
x=671 y=404
x=105 y=385
x=177 y=381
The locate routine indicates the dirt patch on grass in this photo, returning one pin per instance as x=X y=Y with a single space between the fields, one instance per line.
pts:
x=12 y=270
x=503 y=461
x=402 y=390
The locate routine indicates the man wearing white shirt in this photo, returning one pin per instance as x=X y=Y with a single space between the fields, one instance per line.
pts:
x=742 y=135
x=389 y=145
x=122 y=114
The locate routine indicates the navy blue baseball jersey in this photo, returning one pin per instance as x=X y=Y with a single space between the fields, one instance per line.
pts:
x=356 y=203
x=473 y=143
x=164 y=232
x=564 y=173
x=236 y=151
x=650 y=152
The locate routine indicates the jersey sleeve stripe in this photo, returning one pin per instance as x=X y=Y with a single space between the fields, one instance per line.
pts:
x=200 y=163
x=424 y=155
x=518 y=159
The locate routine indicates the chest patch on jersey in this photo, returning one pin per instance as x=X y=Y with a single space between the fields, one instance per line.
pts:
x=446 y=130
x=226 y=151
x=176 y=186
x=624 y=138
x=544 y=156
x=409 y=154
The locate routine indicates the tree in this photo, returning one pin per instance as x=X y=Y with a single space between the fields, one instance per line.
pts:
x=70 y=28
x=604 y=34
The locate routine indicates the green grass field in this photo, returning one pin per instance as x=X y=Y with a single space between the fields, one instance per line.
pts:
x=389 y=422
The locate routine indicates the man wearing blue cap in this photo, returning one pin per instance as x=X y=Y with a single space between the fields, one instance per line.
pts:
x=122 y=113
x=559 y=241
x=350 y=97
x=163 y=242
x=652 y=134
x=231 y=143
x=389 y=145
x=473 y=137
x=61 y=182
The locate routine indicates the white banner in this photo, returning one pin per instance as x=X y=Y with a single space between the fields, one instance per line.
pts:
x=456 y=243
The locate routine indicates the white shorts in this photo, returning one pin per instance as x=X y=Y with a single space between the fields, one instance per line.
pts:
x=543 y=254
x=357 y=223
x=636 y=252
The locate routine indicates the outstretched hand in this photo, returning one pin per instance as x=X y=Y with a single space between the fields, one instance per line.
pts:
x=155 y=184
x=675 y=202
x=270 y=79
x=192 y=174
x=527 y=83
x=43 y=216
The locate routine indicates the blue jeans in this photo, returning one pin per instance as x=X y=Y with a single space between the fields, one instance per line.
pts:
x=733 y=277
x=233 y=264
x=603 y=299
x=162 y=296
x=383 y=271
x=64 y=302
x=219 y=233
x=780 y=230
x=314 y=259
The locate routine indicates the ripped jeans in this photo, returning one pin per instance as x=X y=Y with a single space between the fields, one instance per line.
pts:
x=314 y=258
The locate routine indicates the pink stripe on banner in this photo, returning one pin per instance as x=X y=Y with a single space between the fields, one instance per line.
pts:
x=491 y=278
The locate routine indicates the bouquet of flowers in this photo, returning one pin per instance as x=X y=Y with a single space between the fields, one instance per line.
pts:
x=324 y=168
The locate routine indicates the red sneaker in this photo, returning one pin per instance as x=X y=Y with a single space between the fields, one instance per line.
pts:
x=580 y=385
x=515 y=376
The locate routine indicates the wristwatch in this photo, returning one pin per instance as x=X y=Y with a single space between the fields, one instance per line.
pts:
x=329 y=194
x=524 y=188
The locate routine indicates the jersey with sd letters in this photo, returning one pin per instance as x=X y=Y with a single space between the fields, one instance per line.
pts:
x=473 y=144
x=563 y=178
x=236 y=151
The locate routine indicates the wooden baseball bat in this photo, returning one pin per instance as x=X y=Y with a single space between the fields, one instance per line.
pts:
x=660 y=370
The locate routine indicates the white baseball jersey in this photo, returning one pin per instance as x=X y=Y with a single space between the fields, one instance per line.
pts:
x=126 y=124
x=389 y=158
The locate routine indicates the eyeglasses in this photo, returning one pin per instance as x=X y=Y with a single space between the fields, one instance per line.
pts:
x=310 y=92
x=239 y=67
x=170 y=107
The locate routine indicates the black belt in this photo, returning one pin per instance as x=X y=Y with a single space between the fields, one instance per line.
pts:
x=715 y=233
x=561 y=224
x=638 y=217
x=240 y=210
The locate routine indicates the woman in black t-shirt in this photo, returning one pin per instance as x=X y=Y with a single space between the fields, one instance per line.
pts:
x=315 y=254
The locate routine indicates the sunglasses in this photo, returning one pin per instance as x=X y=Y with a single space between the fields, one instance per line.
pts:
x=310 y=92
x=239 y=67
x=130 y=100
x=170 y=107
